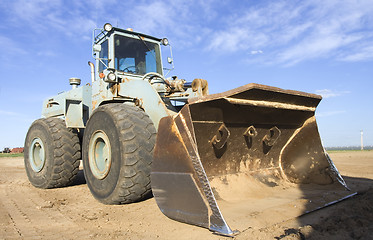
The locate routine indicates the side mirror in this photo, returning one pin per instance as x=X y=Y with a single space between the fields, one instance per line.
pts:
x=169 y=60
x=96 y=48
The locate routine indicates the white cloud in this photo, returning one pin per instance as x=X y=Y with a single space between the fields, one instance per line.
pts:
x=152 y=21
x=288 y=32
x=183 y=22
x=314 y=47
x=11 y=47
x=300 y=31
x=327 y=93
x=42 y=16
x=254 y=52
x=362 y=54
x=31 y=10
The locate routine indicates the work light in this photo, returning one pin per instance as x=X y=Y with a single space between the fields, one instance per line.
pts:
x=164 y=41
x=108 y=27
x=111 y=77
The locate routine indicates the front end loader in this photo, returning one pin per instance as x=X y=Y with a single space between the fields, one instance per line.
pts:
x=209 y=159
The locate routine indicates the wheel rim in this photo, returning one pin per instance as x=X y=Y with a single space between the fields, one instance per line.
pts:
x=99 y=155
x=37 y=154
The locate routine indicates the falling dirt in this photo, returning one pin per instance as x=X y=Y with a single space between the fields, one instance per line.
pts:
x=72 y=212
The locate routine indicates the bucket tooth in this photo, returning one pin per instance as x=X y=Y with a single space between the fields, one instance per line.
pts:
x=250 y=132
x=249 y=151
x=221 y=137
x=271 y=137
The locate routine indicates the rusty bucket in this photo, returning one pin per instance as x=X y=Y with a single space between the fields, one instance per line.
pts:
x=239 y=156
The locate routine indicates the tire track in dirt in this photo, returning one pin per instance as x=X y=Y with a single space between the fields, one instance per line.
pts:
x=19 y=219
x=8 y=225
x=25 y=214
x=37 y=218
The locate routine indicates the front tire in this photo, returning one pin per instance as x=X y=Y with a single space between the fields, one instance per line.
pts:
x=51 y=153
x=118 y=148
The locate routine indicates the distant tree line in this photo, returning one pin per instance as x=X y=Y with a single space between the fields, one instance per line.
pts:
x=348 y=148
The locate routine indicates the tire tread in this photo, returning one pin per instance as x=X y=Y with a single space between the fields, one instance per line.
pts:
x=137 y=139
x=66 y=153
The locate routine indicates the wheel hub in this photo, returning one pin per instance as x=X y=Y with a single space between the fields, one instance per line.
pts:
x=37 y=155
x=99 y=155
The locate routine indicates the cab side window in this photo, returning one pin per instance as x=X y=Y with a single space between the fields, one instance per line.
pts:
x=103 y=56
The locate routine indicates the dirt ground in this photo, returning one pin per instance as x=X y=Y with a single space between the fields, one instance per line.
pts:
x=72 y=212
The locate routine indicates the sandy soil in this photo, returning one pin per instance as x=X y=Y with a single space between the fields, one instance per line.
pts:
x=72 y=212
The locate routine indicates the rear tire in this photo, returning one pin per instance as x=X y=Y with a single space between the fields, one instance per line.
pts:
x=51 y=153
x=118 y=148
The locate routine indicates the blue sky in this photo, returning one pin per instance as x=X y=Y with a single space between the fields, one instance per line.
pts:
x=316 y=46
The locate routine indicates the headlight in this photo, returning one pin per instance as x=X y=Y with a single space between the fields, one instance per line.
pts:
x=111 y=77
x=164 y=41
x=108 y=27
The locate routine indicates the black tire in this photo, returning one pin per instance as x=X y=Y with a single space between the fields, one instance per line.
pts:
x=51 y=153
x=118 y=148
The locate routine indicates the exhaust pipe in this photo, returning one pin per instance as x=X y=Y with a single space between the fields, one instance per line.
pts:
x=92 y=71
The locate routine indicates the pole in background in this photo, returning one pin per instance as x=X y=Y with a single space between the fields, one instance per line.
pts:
x=361 y=140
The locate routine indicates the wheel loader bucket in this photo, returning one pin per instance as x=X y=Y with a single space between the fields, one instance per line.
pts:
x=250 y=157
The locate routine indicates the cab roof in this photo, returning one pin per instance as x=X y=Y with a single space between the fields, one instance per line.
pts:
x=135 y=33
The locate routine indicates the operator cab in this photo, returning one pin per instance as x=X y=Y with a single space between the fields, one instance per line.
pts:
x=123 y=56
x=127 y=52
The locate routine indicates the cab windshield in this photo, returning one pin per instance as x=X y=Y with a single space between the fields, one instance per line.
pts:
x=136 y=56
